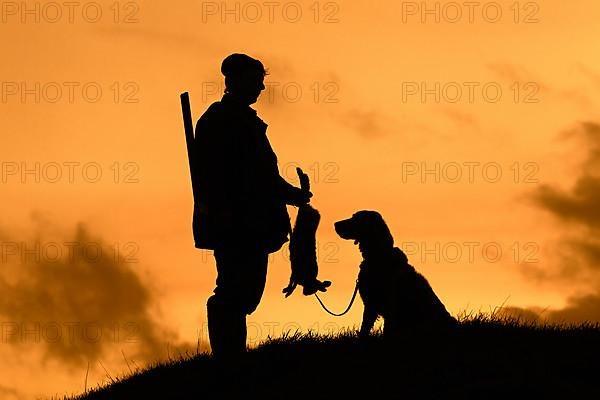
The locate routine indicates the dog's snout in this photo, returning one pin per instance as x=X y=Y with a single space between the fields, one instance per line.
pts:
x=337 y=225
x=343 y=229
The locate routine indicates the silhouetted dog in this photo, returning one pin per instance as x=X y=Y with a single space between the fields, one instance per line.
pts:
x=388 y=285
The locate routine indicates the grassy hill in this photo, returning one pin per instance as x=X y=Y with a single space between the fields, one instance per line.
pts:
x=485 y=358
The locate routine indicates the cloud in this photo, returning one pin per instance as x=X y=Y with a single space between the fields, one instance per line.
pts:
x=514 y=74
x=578 y=251
x=523 y=314
x=460 y=118
x=578 y=209
x=580 y=308
x=368 y=124
x=590 y=74
x=9 y=393
x=580 y=205
x=79 y=304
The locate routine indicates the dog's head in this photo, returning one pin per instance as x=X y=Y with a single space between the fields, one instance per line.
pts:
x=366 y=228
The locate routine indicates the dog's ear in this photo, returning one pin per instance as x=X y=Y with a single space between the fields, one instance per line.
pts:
x=380 y=231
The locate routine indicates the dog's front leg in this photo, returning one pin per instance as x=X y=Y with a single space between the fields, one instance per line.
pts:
x=369 y=318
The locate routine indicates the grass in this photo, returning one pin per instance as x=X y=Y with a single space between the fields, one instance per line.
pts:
x=486 y=358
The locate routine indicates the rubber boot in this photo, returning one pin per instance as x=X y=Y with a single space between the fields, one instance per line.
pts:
x=226 y=329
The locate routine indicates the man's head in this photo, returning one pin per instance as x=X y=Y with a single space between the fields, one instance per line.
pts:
x=244 y=77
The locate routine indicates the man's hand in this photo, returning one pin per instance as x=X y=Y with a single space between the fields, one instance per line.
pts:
x=299 y=197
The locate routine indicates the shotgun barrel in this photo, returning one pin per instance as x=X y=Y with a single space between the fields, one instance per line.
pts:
x=188 y=125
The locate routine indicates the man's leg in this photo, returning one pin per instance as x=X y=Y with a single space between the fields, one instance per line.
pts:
x=240 y=284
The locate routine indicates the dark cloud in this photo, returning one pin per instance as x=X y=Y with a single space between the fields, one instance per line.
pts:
x=368 y=124
x=508 y=72
x=460 y=118
x=515 y=74
x=522 y=314
x=579 y=205
x=580 y=308
x=578 y=209
x=578 y=251
x=80 y=304
x=590 y=74
x=9 y=393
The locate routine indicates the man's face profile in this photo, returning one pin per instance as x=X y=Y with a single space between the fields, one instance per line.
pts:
x=251 y=85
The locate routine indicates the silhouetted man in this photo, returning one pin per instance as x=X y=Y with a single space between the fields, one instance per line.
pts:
x=241 y=213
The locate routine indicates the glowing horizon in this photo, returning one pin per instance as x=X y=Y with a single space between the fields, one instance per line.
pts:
x=384 y=106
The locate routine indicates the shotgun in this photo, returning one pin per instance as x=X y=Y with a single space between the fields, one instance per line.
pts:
x=188 y=125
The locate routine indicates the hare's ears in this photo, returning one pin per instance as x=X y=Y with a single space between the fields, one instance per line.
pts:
x=304 y=181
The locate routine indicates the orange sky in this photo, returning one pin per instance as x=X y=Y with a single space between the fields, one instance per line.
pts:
x=354 y=127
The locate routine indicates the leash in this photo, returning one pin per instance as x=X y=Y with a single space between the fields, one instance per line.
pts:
x=347 y=308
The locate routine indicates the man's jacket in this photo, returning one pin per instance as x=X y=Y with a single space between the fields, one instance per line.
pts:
x=242 y=198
